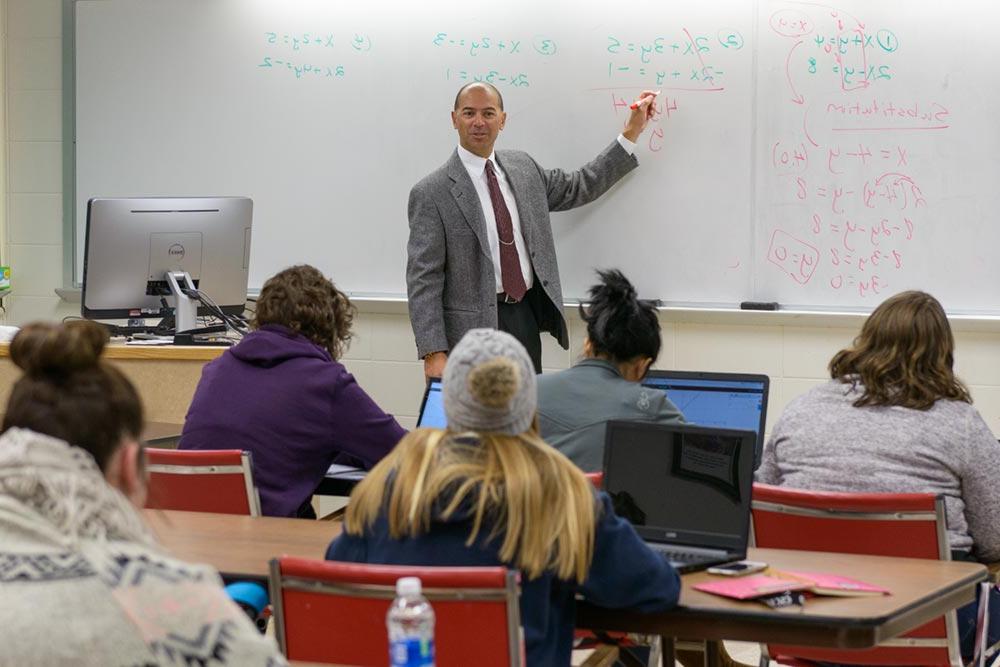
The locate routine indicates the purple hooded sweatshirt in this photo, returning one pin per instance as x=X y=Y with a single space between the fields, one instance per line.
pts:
x=283 y=398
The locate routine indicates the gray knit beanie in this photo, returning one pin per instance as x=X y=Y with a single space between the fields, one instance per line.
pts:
x=489 y=384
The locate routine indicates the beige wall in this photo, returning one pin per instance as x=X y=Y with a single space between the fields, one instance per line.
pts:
x=33 y=92
x=792 y=352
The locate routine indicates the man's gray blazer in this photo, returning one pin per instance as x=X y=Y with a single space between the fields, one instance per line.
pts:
x=450 y=279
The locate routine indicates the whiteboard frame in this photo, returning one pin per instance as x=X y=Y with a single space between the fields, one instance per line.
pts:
x=672 y=311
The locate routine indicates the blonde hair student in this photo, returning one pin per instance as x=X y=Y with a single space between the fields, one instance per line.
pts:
x=488 y=490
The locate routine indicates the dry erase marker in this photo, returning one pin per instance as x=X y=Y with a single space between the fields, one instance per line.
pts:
x=635 y=105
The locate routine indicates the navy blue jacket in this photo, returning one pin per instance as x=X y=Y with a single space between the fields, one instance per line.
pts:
x=625 y=573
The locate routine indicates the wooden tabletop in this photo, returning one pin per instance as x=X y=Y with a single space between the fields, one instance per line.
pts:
x=119 y=350
x=921 y=590
x=239 y=546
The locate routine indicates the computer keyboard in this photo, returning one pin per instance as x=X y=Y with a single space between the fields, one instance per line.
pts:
x=676 y=556
x=117 y=330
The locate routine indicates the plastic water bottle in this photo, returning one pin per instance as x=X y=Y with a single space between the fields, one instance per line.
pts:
x=410 y=622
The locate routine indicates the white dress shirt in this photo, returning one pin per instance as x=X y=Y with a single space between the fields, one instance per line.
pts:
x=476 y=166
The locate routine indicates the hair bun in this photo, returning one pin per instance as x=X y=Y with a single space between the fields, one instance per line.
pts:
x=43 y=348
x=494 y=383
x=616 y=286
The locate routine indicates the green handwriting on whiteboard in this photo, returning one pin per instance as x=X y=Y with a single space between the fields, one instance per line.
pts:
x=302 y=70
x=505 y=45
x=683 y=44
x=318 y=40
x=854 y=57
x=498 y=79
x=695 y=61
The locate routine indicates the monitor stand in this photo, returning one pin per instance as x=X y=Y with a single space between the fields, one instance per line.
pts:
x=185 y=307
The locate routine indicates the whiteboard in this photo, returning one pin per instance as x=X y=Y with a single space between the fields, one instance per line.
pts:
x=757 y=181
x=326 y=114
x=877 y=153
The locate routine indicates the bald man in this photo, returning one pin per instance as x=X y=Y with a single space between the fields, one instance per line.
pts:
x=480 y=252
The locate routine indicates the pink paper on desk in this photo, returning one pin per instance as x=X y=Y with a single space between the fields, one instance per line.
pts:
x=754 y=586
x=832 y=584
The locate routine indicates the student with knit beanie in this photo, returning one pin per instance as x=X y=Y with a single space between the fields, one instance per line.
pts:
x=441 y=498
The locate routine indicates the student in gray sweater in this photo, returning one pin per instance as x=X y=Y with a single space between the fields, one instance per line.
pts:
x=623 y=341
x=895 y=419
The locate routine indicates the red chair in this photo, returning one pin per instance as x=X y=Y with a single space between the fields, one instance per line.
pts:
x=910 y=525
x=210 y=480
x=596 y=478
x=327 y=611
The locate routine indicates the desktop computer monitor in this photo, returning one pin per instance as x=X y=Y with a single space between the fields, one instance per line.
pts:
x=141 y=250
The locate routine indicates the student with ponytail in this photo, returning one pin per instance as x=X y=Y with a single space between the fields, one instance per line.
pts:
x=82 y=580
x=488 y=491
x=623 y=341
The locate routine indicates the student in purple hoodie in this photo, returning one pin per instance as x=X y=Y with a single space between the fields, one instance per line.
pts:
x=282 y=395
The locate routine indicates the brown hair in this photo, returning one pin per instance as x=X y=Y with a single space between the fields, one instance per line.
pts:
x=903 y=355
x=68 y=392
x=304 y=300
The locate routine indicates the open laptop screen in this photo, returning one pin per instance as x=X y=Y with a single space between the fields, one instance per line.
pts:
x=432 y=407
x=724 y=400
x=681 y=484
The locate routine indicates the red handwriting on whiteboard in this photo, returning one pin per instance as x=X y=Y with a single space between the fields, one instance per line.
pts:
x=860 y=155
x=791 y=23
x=789 y=158
x=796 y=258
x=894 y=188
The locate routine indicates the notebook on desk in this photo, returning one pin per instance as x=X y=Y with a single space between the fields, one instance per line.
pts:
x=432 y=406
x=686 y=489
x=723 y=400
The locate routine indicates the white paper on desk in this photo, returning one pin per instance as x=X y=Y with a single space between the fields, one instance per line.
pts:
x=7 y=333
x=151 y=342
x=345 y=472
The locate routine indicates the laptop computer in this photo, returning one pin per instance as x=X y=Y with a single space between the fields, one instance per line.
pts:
x=723 y=400
x=432 y=406
x=686 y=489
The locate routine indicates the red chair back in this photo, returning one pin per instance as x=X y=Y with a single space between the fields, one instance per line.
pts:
x=327 y=611
x=910 y=525
x=211 y=480
x=596 y=478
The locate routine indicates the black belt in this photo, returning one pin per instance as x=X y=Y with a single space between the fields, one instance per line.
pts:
x=503 y=297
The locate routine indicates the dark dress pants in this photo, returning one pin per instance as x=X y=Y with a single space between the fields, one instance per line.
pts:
x=521 y=322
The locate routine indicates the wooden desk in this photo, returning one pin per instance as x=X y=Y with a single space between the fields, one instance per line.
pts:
x=239 y=546
x=165 y=376
x=921 y=589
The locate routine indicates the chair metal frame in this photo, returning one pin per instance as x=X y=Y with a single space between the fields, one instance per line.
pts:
x=510 y=593
x=846 y=507
x=245 y=468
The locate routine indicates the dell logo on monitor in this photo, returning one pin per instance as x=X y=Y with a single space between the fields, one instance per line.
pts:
x=670 y=535
x=176 y=251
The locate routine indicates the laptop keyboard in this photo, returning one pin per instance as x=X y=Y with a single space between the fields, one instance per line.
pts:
x=674 y=556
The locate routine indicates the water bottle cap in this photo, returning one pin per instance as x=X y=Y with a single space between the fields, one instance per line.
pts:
x=408 y=586
x=248 y=593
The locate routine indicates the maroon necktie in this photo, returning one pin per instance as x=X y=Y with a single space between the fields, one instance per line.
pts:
x=510 y=265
